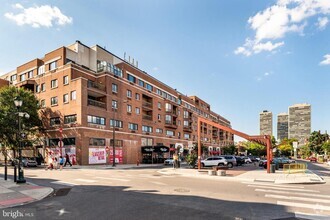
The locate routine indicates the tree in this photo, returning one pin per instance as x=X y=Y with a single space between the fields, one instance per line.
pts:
x=326 y=147
x=254 y=148
x=286 y=146
x=316 y=140
x=9 y=130
x=229 y=150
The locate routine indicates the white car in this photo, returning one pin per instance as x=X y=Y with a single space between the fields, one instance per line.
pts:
x=214 y=161
x=247 y=160
x=328 y=163
x=169 y=161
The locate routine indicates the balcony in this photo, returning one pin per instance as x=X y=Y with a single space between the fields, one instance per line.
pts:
x=94 y=85
x=187 y=128
x=147 y=105
x=96 y=103
x=172 y=112
x=170 y=124
x=103 y=66
x=147 y=117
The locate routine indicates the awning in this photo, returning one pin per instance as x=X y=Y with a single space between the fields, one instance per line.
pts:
x=155 y=149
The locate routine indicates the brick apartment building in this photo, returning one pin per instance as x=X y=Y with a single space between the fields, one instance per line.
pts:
x=84 y=91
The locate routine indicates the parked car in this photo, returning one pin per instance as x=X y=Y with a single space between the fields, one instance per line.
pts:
x=169 y=161
x=239 y=161
x=312 y=159
x=214 y=161
x=254 y=158
x=263 y=163
x=281 y=161
x=231 y=160
x=26 y=162
x=247 y=160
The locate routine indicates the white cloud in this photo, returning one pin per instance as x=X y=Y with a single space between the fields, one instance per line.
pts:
x=322 y=23
x=276 y=21
x=38 y=16
x=266 y=74
x=155 y=69
x=326 y=60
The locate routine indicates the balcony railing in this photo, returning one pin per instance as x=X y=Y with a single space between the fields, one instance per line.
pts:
x=187 y=128
x=108 y=67
x=96 y=103
x=147 y=104
x=170 y=124
x=147 y=117
x=94 y=85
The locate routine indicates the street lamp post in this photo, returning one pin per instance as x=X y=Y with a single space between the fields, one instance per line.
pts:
x=18 y=104
x=113 y=136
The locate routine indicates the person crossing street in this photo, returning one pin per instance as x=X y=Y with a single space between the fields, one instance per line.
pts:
x=67 y=160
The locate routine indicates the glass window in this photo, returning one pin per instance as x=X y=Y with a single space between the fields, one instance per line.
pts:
x=137 y=111
x=73 y=95
x=186 y=136
x=159 y=105
x=168 y=107
x=159 y=130
x=146 y=141
x=30 y=74
x=22 y=77
x=68 y=119
x=42 y=103
x=114 y=88
x=185 y=123
x=95 y=120
x=53 y=100
x=41 y=70
x=141 y=83
x=43 y=87
x=65 y=98
x=13 y=77
x=159 y=117
x=168 y=119
x=118 y=124
x=114 y=104
x=55 y=121
x=65 y=80
x=149 y=87
x=169 y=133
x=129 y=108
x=53 y=65
x=131 y=78
x=146 y=128
x=37 y=88
x=53 y=83
x=97 y=142
x=129 y=93
x=185 y=114
x=137 y=96
x=132 y=126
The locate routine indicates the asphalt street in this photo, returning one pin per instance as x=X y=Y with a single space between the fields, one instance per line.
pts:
x=148 y=194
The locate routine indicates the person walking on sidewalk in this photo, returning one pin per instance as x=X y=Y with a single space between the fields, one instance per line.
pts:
x=67 y=160
x=61 y=162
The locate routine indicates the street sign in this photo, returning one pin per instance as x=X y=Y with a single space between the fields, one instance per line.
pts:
x=295 y=144
x=60 y=143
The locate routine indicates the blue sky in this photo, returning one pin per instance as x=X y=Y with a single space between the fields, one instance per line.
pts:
x=240 y=56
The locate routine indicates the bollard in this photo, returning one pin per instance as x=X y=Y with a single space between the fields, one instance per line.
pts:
x=15 y=173
x=211 y=172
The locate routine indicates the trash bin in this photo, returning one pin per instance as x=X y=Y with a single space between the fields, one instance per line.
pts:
x=272 y=168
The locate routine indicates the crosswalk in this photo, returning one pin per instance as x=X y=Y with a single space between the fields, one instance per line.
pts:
x=305 y=203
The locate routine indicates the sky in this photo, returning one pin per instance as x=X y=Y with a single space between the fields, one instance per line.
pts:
x=241 y=57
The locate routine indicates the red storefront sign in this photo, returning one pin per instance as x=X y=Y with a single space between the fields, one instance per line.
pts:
x=118 y=156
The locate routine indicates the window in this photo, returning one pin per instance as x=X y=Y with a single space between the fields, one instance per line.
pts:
x=132 y=126
x=149 y=87
x=146 y=141
x=129 y=108
x=114 y=104
x=168 y=107
x=141 y=83
x=131 y=78
x=66 y=141
x=53 y=83
x=159 y=117
x=159 y=105
x=68 y=119
x=114 y=88
x=13 y=77
x=41 y=70
x=168 y=119
x=129 y=93
x=137 y=111
x=73 y=95
x=185 y=114
x=186 y=123
x=30 y=74
x=118 y=143
x=97 y=142
x=146 y=129
x=53 y=100
x=169 y=133
x=118 y=124
x=65 y=80
x=55 y=121
x=66 y=98
x=37 y=88
x=53 y=65
x=22 y=77
x=137 y=96
x=186 y=136
x=95 y=120
x=159 y=130
x=42 y=103
x=179 y=135
x=43 y=87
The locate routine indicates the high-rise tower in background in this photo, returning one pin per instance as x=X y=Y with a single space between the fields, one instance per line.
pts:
x=282 y=126
x=266 y=122
x=299 y=122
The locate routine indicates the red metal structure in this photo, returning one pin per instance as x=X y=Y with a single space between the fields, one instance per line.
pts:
x=260 y=139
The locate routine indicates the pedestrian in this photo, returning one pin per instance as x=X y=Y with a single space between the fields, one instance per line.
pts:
x=55 y=163
x=67 y=160
x=50 y=164
x=61 y=162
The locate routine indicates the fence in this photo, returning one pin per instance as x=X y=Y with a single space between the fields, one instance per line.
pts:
x=295 y=168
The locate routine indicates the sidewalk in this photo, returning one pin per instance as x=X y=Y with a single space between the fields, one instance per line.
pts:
x=12 y=194
x=259 y=175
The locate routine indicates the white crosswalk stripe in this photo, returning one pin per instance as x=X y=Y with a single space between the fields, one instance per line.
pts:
x=283 y=188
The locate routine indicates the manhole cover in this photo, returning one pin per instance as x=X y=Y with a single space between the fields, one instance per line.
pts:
x=61 y=192
x=181 y=190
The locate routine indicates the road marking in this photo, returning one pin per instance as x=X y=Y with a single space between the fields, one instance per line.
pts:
x=311 y=216
x=295 y=193
x=86 y=181
x=109 y=178
x=64 y=183
x=297 y=198
x=159 y=183
x=304 y=205
x=279 y=188
x=267 y=184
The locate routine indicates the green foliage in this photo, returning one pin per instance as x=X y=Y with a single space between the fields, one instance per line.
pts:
x=254 y=148
x=316 y=141
x=326 y=147
x=286 y=147
x=191 y=159
x=305 y=151
x=229 y=150
x=9 y=116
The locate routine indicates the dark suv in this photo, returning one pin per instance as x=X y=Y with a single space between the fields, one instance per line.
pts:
x=231 y=160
